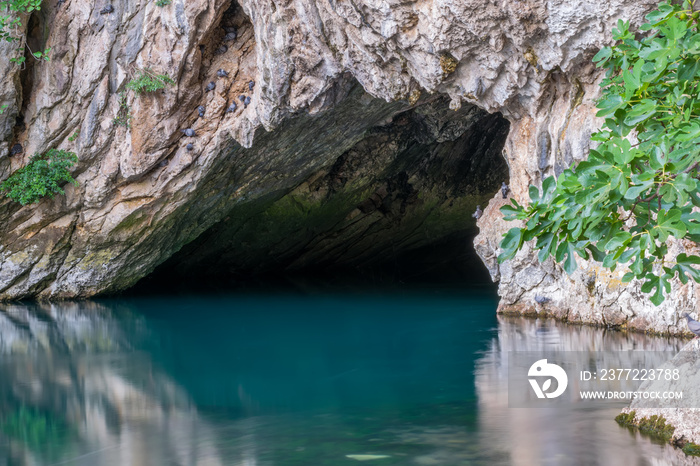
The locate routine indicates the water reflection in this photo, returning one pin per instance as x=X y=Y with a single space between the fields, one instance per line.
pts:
x=74 y=388
x=414 y=379
x=567 y=434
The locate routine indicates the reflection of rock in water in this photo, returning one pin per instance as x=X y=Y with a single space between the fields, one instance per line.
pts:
x=447 y=445
x=74 y=383
x=682 y=413
x=71 y=386
x=564 y=434
x=64 y=328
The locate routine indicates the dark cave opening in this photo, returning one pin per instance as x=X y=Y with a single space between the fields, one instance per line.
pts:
x=35 y=41
x=36 y=37
x=230 y=30
x=395 y=209
x=449 y=264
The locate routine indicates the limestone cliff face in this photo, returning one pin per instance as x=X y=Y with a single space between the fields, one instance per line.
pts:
x=331 y=80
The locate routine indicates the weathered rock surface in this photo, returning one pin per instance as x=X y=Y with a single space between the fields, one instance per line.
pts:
x=142 y=195
x=591 y=295
x=546 y=137
x=406 y=184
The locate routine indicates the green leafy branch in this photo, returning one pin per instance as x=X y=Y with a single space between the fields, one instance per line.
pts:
x=640 y=185
x=11 y=27
x=145 y=81
x=148 y=81
x=43 y=176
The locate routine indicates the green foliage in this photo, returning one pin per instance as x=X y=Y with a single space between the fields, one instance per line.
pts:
x=691 y=449
x=9 y=19
x=42 y=176
x=36 y=429
x=640 y=185
x=74 y=136
x=162 y=2
x=148 y=81
x=656 y=426
x=10 y=23
x=626 y=419
x=3 y=107
x=123 y=117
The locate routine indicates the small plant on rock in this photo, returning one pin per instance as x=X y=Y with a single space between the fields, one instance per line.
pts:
x=162 y=2
x=123 y=117
x=148 y=81
x=691 y=449
x=11 y=24
x=42 y=176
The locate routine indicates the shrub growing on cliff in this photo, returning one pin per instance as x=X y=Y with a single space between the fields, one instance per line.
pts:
x=42 y=176
x=11 y=24
x=148 y=81
x=640 y=185
x=123 y=117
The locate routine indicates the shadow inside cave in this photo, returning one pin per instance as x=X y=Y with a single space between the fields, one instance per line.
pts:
x=450 y=264
x=393 y=210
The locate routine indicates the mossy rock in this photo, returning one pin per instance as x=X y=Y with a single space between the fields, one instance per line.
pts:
x=448 y=63
x=691 y=449
x=654 y=426
x=626 y=419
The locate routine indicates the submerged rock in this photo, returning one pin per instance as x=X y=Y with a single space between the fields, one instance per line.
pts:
x=367 y=457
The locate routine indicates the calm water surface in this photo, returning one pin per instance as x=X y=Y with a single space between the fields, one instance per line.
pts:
x=411 y=377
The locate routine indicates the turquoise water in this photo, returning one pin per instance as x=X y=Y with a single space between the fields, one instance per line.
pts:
x=404 y=377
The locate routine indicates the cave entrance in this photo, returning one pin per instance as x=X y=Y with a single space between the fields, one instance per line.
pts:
x=397 y=206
